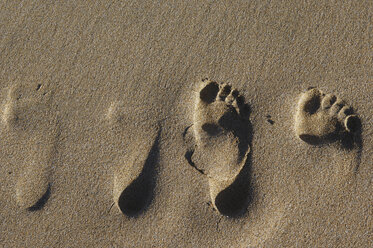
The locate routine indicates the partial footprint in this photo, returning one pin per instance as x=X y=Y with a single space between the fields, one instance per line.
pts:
x=222 y=134
x=135 y=175
x=29 y=119
x=324 y=118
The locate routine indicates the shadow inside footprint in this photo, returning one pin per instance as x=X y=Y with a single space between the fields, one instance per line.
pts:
x=42 y=201
x=235 y=199
x=317 y=140
x=348 y=139
x=243 y=131
x=138 y=195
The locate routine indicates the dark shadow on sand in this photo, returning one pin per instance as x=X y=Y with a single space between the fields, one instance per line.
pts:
x=42 y=201
x=136 y=197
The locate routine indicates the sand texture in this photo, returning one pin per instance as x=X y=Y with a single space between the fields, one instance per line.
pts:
x=186 y=124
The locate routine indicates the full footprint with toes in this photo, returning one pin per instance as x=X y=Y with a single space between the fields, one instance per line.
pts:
x=28 y=117
x=221 y=134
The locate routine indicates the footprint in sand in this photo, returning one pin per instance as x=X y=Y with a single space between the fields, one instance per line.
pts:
x=324 y=118
x=135 y=174
x=222 y=136
x=28 y=117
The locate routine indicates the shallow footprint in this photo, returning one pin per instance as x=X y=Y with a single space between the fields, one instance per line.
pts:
x=324 y=118
x=222 y=133
x=135 y=175
x=28 y=117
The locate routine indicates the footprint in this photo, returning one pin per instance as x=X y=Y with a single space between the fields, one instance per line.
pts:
x=28 y=118
x=135 y=176
x=324 y=118
x=222 y=134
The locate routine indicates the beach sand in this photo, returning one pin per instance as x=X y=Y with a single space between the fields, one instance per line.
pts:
x=186 y=124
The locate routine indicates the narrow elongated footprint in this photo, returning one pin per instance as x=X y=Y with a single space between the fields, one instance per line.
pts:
x=28 y=117
x=222 y=133
x=324 y=118
x=135 y=175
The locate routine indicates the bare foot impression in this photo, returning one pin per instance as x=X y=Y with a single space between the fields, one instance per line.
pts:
x=324 y=118
x=221 y=133
x=28 y=117
x=135 y=175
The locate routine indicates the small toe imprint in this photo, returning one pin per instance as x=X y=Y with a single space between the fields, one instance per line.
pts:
x=224 y=92
x=328 y=101
x=336 y=107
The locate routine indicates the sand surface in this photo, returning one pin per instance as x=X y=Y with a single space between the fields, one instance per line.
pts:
x=101 y=103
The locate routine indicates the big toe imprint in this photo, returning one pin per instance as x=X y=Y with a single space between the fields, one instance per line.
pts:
x=222 y=134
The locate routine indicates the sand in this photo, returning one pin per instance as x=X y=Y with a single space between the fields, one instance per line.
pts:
x=108 y=138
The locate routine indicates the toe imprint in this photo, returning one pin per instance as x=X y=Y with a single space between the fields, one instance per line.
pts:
x=336 y=107
x=209 y=92
x=352 y=123
x=328 y=101
x=224 y=92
